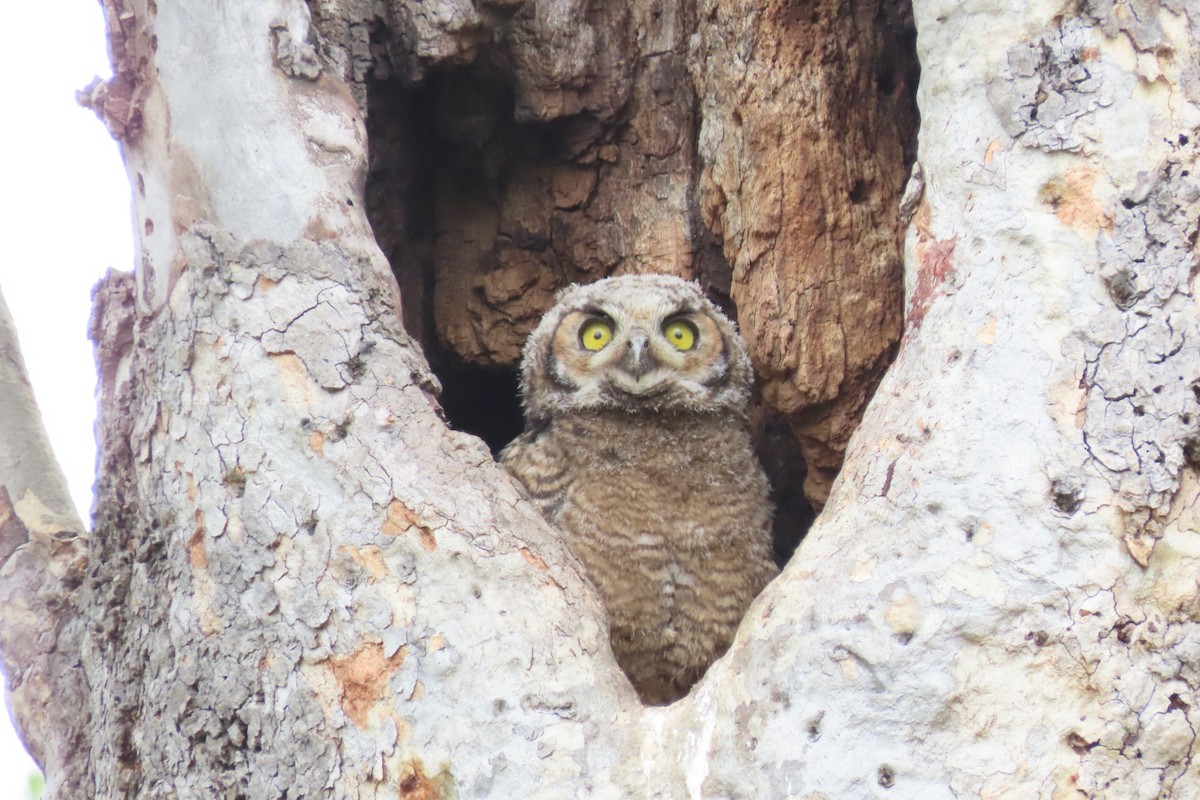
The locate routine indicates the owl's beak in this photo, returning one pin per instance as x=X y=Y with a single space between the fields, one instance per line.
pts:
x=638 y=360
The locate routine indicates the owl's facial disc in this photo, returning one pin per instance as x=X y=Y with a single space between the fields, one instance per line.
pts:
x=638 y=344
x=630 y=358
x=638 y=361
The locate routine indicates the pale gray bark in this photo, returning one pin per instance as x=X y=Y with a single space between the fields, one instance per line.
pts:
x=42 y=558
x=302 y=581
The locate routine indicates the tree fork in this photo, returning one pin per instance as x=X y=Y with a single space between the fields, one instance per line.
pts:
x=303 y=581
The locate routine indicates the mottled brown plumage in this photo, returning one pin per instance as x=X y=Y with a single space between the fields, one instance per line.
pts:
x=638 y=451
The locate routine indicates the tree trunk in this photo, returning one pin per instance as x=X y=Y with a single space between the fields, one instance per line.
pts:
x=42 y=561
x=300 y=581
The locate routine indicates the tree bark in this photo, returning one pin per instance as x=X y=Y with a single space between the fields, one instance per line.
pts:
x=301 y=582
x=43 y=553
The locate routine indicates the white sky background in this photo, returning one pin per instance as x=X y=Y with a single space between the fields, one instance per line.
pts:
x=64 y=219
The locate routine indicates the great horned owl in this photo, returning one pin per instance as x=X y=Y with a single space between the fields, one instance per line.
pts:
x=636 y=447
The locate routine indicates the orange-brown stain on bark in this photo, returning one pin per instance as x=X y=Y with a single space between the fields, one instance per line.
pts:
x=197 y=556
x=370 y=558
x=989 y=155
x=1072 y=198
x=533 y=558
x=415 y=784
x=935 y=259
x=363 y=677
x=400 y=519
x=320 y=229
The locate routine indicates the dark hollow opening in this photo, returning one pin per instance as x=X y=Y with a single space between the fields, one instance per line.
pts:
x=783 y=462
x=441 y=149
x=460 y=204
x=482 y=401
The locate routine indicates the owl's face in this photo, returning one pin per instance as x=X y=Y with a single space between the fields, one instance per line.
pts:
x=638 y=343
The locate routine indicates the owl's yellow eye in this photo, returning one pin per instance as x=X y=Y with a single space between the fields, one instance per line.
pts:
x=681 y=334
x=595 y=334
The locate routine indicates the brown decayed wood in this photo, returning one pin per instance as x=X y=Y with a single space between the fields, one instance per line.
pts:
x=764 y=156
x=811 y=129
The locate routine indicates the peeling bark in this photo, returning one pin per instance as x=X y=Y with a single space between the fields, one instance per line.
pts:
x=275 y=590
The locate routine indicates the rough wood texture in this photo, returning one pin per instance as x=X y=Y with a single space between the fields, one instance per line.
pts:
x=805 y=139
x=277 y=606
x=560 y=152
x=518 y=148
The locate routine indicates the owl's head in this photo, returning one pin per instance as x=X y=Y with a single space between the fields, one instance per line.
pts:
x=639 y=343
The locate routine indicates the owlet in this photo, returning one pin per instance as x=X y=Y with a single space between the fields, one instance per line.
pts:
x=636 y=448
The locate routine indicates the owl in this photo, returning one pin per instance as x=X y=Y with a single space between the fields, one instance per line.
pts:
x=636 y=448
